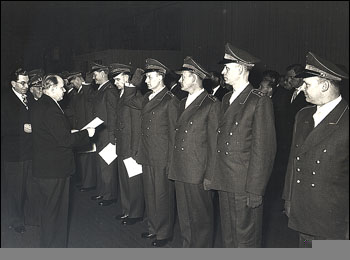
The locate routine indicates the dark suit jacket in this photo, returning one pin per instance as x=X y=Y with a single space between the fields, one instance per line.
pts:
x=128 y=127
x=53 y=142
x=246 y=144
x=16 y=143
x=195 y=140
x=317 y=179
x=158 y=117
x=104 y=106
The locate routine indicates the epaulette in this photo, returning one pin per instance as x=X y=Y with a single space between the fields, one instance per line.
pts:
x=170 y=93
x=212 y=97
x=258 y=93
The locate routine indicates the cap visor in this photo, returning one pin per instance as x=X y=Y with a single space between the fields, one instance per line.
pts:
x=225 y=61
x=307 y=74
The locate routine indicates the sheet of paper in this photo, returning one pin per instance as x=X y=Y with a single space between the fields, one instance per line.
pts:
x=74 y=131
x=132 y=167
x=93 y=124
x=89 y=150
x=108 y=153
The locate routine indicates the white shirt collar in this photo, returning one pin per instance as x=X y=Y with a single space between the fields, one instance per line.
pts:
x=102 y=85
x=215 y=89
x=121 y=92
x=80 y=88
x=324 y=110
x=192 y=97
x=155 y=93
x=238 y=91
x=20 y=96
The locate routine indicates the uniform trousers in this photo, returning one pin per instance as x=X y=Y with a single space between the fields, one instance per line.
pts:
x=160 y=201
x=54 y=212
x=196 y=214
x=32 y=202
x=87 y=169
x=131 y=192
x=241 y=226
x=107 y=179
x=16 y=175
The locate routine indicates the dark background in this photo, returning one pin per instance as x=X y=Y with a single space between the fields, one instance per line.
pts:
x=58 y=36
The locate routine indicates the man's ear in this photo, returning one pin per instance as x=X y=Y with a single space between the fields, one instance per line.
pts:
x=325 y=86
x=13 y=83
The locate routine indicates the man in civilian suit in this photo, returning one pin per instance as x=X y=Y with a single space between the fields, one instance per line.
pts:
x=193 y=156
x=82 y=115
x=316 y=190
x=127 y=132
x=17 y=142
x=53 y=160
x=158 y=116
x=246 y=147
x=104 y=105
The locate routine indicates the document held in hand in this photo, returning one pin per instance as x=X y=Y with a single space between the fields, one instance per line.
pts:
x=108 y=153
x=132 y=167
x=93 y=124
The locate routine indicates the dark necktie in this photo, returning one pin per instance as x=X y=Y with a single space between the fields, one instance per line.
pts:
x=25 y=101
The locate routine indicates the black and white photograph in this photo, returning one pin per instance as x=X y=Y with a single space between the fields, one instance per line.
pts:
x=175 y=124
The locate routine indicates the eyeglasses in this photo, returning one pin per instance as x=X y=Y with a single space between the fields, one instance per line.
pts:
x=23 y=83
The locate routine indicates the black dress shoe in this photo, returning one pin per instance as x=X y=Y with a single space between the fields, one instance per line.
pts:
x=148 y=235
x=159 y=243
x=121 y=217
x=97 y=197
x=87 y=189
x=106 y=202
x=130 y=221
x=20 y=229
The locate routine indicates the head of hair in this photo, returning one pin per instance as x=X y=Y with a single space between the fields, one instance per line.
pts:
x=297 y=68
x=50 y=80
x=273 y=76
x=17 y=72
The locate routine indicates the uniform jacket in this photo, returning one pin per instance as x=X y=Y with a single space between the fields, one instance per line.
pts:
x=82 y=107
x=158 y=117
x=246 y=143
x=53 y=141
x=128 y=127
x=66 y=104
x=317 y=179
x=16 y=143
x=104 y=106
x=220 y=93
x=194 y=150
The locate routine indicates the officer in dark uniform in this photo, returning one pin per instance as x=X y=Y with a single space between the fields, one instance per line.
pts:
x=158 y=117
x=193 y=156
x=246 y=149
x=128 y=125
x=104 y=106
x=316 y=190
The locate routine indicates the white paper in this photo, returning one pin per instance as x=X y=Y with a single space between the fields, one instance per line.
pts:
x=132 y=167
x=91 y=150
x=74 y=131
x=108 y=153
x=93 y=124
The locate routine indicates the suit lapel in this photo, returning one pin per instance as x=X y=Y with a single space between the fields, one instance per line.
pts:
x=190 y=110
x=327 y=126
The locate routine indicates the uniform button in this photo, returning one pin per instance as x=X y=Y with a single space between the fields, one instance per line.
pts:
x=318 y=162
x=176 y=129
x=219 y=131
x=153 y=113
x=226 y=153
x=298 y=181
x=218 y=151
x=236 y=123
x=142 y=134
x=175 y=146
x=296 y=145
x=150 y=120
x=313 y=173
x=298 y=158
x=312 y=185
x=183 y=140
x=231 y=133
x=191 y=123
x=182 y=148
x=298 y=169
x=147 y=127
x=227 y=143
x=186 y=131
x=325 y=150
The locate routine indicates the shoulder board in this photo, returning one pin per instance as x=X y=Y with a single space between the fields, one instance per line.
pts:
x=212 y=97
x=258 y=93
x=169 y=93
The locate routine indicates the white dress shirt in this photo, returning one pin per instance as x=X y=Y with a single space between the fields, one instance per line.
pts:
x=238 y=91
x=324 y=110
x=193 y=96
x=20 y=97
x=155 y=93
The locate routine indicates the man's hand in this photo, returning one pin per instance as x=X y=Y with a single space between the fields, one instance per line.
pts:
x=253 y=200
x=27 y=128
x=91 y=131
